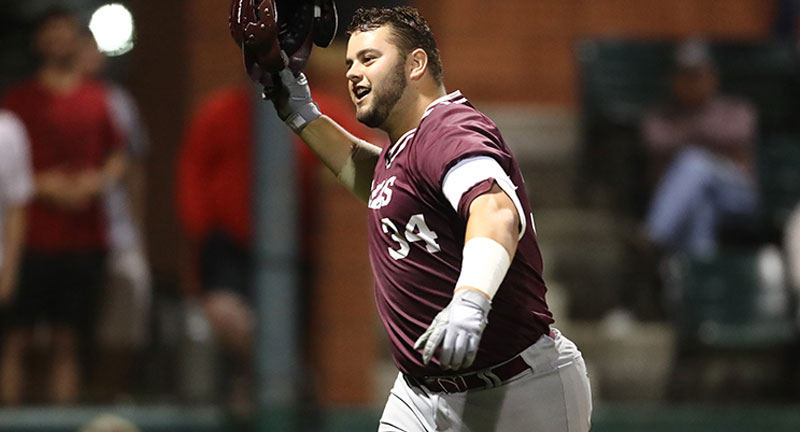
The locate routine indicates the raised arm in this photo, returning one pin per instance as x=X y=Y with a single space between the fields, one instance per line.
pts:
x=350 y=158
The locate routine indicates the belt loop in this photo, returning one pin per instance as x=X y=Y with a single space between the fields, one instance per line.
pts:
x=490 y=379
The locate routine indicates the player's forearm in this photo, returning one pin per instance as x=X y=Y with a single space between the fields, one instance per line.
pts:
x=350 y=158
x=493 y=215
x=490 y=243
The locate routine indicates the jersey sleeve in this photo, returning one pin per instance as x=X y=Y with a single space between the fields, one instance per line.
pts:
x=457 y=137
x=464 y=158
x=475 y=176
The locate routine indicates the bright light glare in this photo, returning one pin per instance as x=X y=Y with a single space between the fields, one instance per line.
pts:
x=112 y=27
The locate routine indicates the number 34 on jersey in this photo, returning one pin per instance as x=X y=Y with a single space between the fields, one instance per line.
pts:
x=415 y=229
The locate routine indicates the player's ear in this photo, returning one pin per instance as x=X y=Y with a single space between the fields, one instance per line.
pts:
x=417 y=64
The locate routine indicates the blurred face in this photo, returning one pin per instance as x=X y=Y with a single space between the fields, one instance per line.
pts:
x=693 y=87
x=57 y=40
x=375 y=75
x=90 y=60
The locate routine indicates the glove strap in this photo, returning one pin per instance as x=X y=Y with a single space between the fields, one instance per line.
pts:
x=303 y=116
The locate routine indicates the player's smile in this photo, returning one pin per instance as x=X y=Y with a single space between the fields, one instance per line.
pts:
x=375 y=74
x=360 y=92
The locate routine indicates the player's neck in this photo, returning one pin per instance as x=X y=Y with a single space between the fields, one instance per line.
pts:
x=409 y=116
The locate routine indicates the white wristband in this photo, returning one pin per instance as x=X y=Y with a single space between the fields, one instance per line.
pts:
x=484 y=265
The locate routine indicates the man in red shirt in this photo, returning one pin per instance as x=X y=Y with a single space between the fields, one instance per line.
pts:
x=75 y=152
x=214 y=196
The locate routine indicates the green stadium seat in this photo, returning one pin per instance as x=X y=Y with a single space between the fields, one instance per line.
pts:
x=619 y=78
x=765 y=74
x=734 y=301
x=779 y=179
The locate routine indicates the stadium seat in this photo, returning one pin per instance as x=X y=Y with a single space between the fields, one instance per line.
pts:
x=736 y=337
x=618 y=80
x=737 y=300
x=779 y=179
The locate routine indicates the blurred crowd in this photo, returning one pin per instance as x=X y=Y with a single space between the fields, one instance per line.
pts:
x=76 y=292
x=74 y=268
x=713 y=256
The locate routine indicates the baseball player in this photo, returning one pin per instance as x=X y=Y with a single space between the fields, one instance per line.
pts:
x=452 y=242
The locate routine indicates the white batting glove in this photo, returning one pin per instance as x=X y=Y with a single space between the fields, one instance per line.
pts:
x=458 y=328
x=293 y=101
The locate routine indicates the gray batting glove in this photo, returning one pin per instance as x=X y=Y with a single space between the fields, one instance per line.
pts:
x=458 y=328
x=293 y=101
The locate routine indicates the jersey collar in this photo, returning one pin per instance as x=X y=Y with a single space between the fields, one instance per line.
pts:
x=454 y=97
x=397 y=147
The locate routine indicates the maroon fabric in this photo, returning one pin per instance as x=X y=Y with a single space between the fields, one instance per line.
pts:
x=73 y=132
x=412 y=289
x=475 y=191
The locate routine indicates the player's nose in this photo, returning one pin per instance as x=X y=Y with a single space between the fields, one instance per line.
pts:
x=354 y=74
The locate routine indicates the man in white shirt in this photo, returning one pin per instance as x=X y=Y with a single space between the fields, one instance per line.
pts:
x=16 y=188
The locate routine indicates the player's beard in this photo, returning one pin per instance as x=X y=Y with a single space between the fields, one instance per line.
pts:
x=385 y=97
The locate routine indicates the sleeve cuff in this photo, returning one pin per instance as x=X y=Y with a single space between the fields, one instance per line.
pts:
x=469 y=173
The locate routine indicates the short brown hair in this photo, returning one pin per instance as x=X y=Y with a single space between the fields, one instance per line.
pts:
x=409 y=28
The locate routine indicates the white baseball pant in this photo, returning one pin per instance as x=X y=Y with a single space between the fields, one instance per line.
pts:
x=552 y=396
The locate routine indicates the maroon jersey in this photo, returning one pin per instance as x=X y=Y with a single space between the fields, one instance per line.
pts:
x=416 y=238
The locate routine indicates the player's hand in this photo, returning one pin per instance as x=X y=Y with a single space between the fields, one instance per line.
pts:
x=293 y=101
x=458 y=329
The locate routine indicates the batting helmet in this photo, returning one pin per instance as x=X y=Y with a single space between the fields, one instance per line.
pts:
x=264 y=28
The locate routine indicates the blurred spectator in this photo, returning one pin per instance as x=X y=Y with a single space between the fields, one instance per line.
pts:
x=109 y=423
x=16 y=188
x=701 y=152
x=123 y=321
x=792 y=245
x=213 y=195
x=75 y=155
x=215 y=177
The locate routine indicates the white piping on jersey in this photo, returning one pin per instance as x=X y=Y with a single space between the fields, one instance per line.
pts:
x=397 y=147
x=445 y=100
x=471 y=171
x=401 y=143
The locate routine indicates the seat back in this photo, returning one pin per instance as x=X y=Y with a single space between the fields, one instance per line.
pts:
x=779 y=179
x=736 y=300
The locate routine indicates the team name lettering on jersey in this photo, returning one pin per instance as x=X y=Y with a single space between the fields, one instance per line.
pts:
x=382 y=194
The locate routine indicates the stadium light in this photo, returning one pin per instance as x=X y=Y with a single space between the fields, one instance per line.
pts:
x=112 y=27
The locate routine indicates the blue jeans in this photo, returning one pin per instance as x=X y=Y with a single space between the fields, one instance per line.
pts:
x=698 y=192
